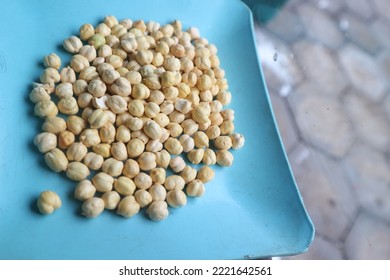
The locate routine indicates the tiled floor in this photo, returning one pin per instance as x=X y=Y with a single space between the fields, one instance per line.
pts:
x=329 y=87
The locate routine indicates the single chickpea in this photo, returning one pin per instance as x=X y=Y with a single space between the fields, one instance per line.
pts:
x=175 y=129
x=109 y=76
x=119 y=151
x=102 y=149
x=163 y=158
x=45 y=109
x=188 y=174
x=56 y=160
x=111 y=200
x=223 y=142
x=103 y=182
x=201 y=140
x=154 y=146
x=75 y=124
x=113 y=167
x=151 y=109
x=92 y=207
x=224 y=158
x=123 y=134
x=77 y=171
x=88 y=52
x=73 y=44
x=173 y=146
x=78 y=63
x=201 y=114
x=238 y=140
x=227 y=127
x=64 y=90
x=93 y=161
x=121 y=86
x=143 y=181
x=39 y=94
x=54 y=125
x=147 y=161
x=195 y=156
x=124 y=185
x=143 y=198
x=162 y=119
x=107 y=133
x=52 y=61
x=128 y=207
x=189 y=126
x=176 y=198
x=158 y=210
x=86 y=31
x=174 y=182
x=131 y=168
x=65 y=139
x=187 y=142
x=209 y=157
x=76 y=151
x=90 y=137
x=205 y=174
x=84 y=190
x=213 y=132
x=135 y=147
x=195 y=188
x=45 y=141
x=48 y=202
x=68 y=106
x=153 y=130
x=84 y=100
x=136 y=108
x=177 y=164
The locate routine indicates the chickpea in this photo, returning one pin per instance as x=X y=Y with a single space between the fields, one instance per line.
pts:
x=143 y=198
x=195 y=188
x=136 y=108
x=93 y=161
x=135 y=148
x=39 y=94
x=111 y=199
x=209 y=157
x=90 y=137
x=68 y=106
x=176 y=198
x=224 y=158
x=177 y=164
x=52 y=61
x=65 y=139
x=113 y=167
x=143 y=181
x=147 y=161
x=174 y=182
x=124 y=185
x=201 y=140
x=103 y=182
x=123 y=134
x=84 y=190
x=121 y=86
x=76 y=151
x=153 y=130
x=45 y=109
x=119 y=151
x=238 y=140
x=56 y=160
x=45 y=141
x=102 y=149
x=128 y=207
x=195 y=156
x=173 y=146
x=163 y=158
x=213 y=132
x=223 y=142
x=107 y=133
x=48 y=202
x=92 y=207
x=205 y=174
x=50 y=76
x=77 y=171
x=131 y=168
x=188 y=174
x=158 y=210
x=154 y=146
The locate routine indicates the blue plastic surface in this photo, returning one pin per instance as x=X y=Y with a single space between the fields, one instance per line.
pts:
x=250 y=210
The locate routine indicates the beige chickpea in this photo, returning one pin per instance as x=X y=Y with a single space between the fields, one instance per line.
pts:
x=68 y=75
x=174 y=182
x=152 y=81
x=39 y=94
x=45 y=141
x=109 y=76
x=134 y=123
x=152 y=130
x=135 y=147
x=223 y=142
x=206 y=96
x=97 y=88
x=93 y=161
x=157 y=97
x=129 y=44
x=158 y=175
x=68 y=106
x=64 y=90
x=131 y=168
x=143 y=181
x=183 y=106
x=122 y=71
x=52 y=61
x=170 y=78
x=111 y=200
x=216 y=119
x=165 y=135
x=177 y=164
x=86 y=31
x=113 y=167
x=189 y=126
x=238 y=140
x=205 y=174
x=147 y=161
x=201 y=114
x=142 y=43
x=103 y=182
x=154 y=146
x=201 y=140
x=76 y=151
x=48 y=202
x=195 y=156
x=158 y=192
x=173 y=146
x=84 y=100
x=117 y=104
x=163 y=158
x=123 y=119
x=92 y=207
x=188 y=174
x=228 y=115
x=84 y=190
x=140 y=91
x=54 y=125
x=119 y=151
x=128 y=207
x=195 y=188
x=88 y=52
x=45 y=109
x=98 y=118
x=184 y=90
x=102 y=149
x=224 y=97
x=101 y=102
x=123 y=134
x=209 y=157
x=98 y=61
x=158 y=210
x=151 y=109
x=50 y=76
x=77 y=171
x=187 y=142
x=56 y=160
x=167 y=107
x=73 y=44
x=171 y=63
x=124 y=185
x=213 y=132
x=224 y=158
x=171 y=93
x=107 y=133
x=162 y=119
x=136 y=108
x=121 y=86
x=90 y=137
x=88 y=73
x=176 y=198
x=143 y=198
x=65 y=139
x=204 y=82
x=78 y=63
x=174 y=129
x=75 y=124
x=133 y=77
x=227 y=127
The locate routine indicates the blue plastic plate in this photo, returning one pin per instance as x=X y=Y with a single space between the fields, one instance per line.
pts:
x=251 y=210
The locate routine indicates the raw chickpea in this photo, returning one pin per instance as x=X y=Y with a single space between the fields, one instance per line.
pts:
x=113 y=167
x=140 y=91
x=65 y=139
x=123 y=134
x=147 y=161
x=206 y=96
x=143 y=181
x=128 y=207
x=152 y=130
x=52 y=61
x=90 y=137
x=143 y=198
x=205 y=174
x=151 y=109
x=213 y=132
x=129 y=44
x=216 y=119
x=175 y=129
x=73 y=44
x=165 y=135
x=183 y=106
x=97 y=88
x=64 y=90
x=158 y=192
x=111 y=199
x=117 y=104
x=136 y=108
x=223 y=142
x=75 y=124
x=201 y=114
x=102 y=149
x=50 y=76
x=77 y=171
x=107 y=133
x=224 y=158
x=158 y=210
x=124 y=186
x=45 y=109
x=39 y=94
x=92 y=207
x=227 y=115
x=173 y=146
x=45 y=141
x=189 y=126
x=86 y=31
x=209 y=157
x=84 y=100
x=157 y=97
x=93 y=161
x=78 y=63
x=56 y=160
x=123 y=119
x=84 y=190
x=121 y=86
x=188 y=174
x=174 y=182
x=115 y=60
x=119 y=151
x=54 y=125
x=48 y=202
x=88 y=73
x=103 y=182
x=131 y=168
x=68 y=106
x=195 y=156
x=225 y=97
x=154 y=146
x=133 y=77
x=171 y=93
x=161 y=119
x=227 y=127
x=80 y=86
x=176 y=198
x=204 y=82
x=201 y=140
x=238 y=140
x=76 y=151
x=163 y=158
x=135 y=147
x=89 y=52
x=177 y=164
x=109 y=76
x=134 y=123
x=86 y=113
x=187 y=142
x=167 y=107
x=195 y=188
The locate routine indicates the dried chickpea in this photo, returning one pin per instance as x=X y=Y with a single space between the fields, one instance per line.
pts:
x=77 y=171
x=56 y=160
x=48 y=202
x=163 y=158
x=68 y=106
x=152 y=130
x=223 y=142
x=161 y=119
x=107 y=133
x=187 y=142
x=213 y=132
x=143 y=198
x=75 y=124
x=151 y=109
x=119 y=151
x=195 y=156
x=121 y=86
x=90 y=137
x=76 y=151
x=176 y=198
x=143 y=181
x=92 y=207
x=174 y=182
x=84 y=190
x=227 y=127
x=201 y=140
x=158 y=210
x=123 y=134
x=177 y=164
x=65 y=139
x=136 y=108
x=188 y=174
x=131 y=168
x=93 y=161
x=86 y=31
x=111 y=199
x=73 y=44
x=128 y=207
x=205 y=174
x=224 y=158
x=124 y=185
x=39 y=94
x=175 y=129
x=147 y=161
x=195 y=188
x=52 y=61
x=64 y=89
x=113 y=167
x=189 y=126
x=50 y=76
x=238 y=140
x=45 y=141
x=54 y=125
x=103 y=182
x=173 y=146
x=102 y=149
x=201 y=114
x=135 y=147
x=45 y=109
x=209 y=157
x=84 y=100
